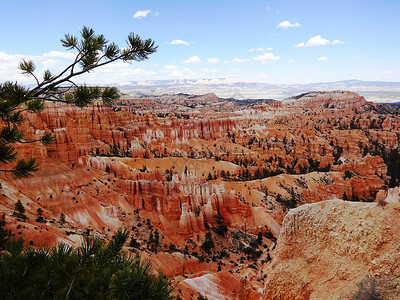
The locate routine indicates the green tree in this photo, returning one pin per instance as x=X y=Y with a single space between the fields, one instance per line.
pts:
x=95 y=270
x=221 y=228
x=62 y=219
x=5 y=234
x=92 y=51
x=20 y=209
x=39 y=215
x=208 y=243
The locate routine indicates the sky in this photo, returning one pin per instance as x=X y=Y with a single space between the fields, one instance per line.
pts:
x=270 y=41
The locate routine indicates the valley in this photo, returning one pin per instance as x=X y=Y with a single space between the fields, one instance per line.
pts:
x=231 y=199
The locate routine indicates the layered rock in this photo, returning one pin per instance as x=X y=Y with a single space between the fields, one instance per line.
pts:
x=326 y=248
x=330 y=100
x=173 y=172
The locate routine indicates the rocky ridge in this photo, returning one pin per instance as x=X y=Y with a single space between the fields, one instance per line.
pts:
x=326 y=248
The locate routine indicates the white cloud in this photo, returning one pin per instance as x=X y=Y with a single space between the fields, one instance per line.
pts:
x=179 y=42
x=183 y=73
x=141 y=14
x=357 y=57
x=213 y=60
x=314 y=41
x=266 y=57
x=290 y=61
x=287 y=24
x=141 y=71
x=239 y=60
x=322 y=58
x=262 y=75
x=205 y=70
x=388 y=72
x=318 y=41
x=260 y=49
x=171 y=67
x=176 y=73
x=299 y=45
x=56 y=61
x=60 y=54
x=193 y=59
x=220 y=80
x=337 y=42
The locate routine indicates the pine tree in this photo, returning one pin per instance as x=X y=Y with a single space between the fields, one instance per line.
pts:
x=62 y=219
x=4 y=233
x=39 y=215
x=20 y=209
x=92 y=51
x=208 y=243
x=95 y=270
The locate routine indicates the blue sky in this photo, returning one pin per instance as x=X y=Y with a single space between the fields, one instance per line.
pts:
x=258 y=41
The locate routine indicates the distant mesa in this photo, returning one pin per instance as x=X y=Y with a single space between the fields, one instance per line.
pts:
x=330 y=100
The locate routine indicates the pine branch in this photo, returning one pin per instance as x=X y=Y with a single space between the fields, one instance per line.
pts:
x=23 y=168
x=7 y=153
x=93 y=51
x=28 y=67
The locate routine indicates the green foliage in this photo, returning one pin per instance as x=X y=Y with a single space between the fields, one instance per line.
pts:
x=221 y=228
x=35 y=105
x=19 y=207
x=92 y=51
x=47 y=138
x=11 y=134
x=259 y=238
x=95 y=270
x=62 y=219
x=347 y=174
x=24 y=168
x=208 y=243
x=7 y=153
x=134 y=243
x=4 y=233
x=109 y=95
x=287 y=203
x=40 y=218
x=83 y=95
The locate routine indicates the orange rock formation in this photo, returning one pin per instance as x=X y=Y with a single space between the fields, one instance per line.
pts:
x=202 y=164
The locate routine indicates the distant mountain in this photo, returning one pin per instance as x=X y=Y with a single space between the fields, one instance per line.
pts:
x=376 y=91
x=355 y=82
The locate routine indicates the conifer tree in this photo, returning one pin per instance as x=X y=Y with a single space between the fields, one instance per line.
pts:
x=19 y=208
x=95 y=270
x=5 y=234
x=92 y=51
x=62 y=219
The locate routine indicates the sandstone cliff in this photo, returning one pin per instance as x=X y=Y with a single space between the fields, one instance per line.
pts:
x=326 y=248
x=329 y=100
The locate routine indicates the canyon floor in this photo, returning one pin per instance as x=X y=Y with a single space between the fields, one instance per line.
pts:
x=291 y=199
